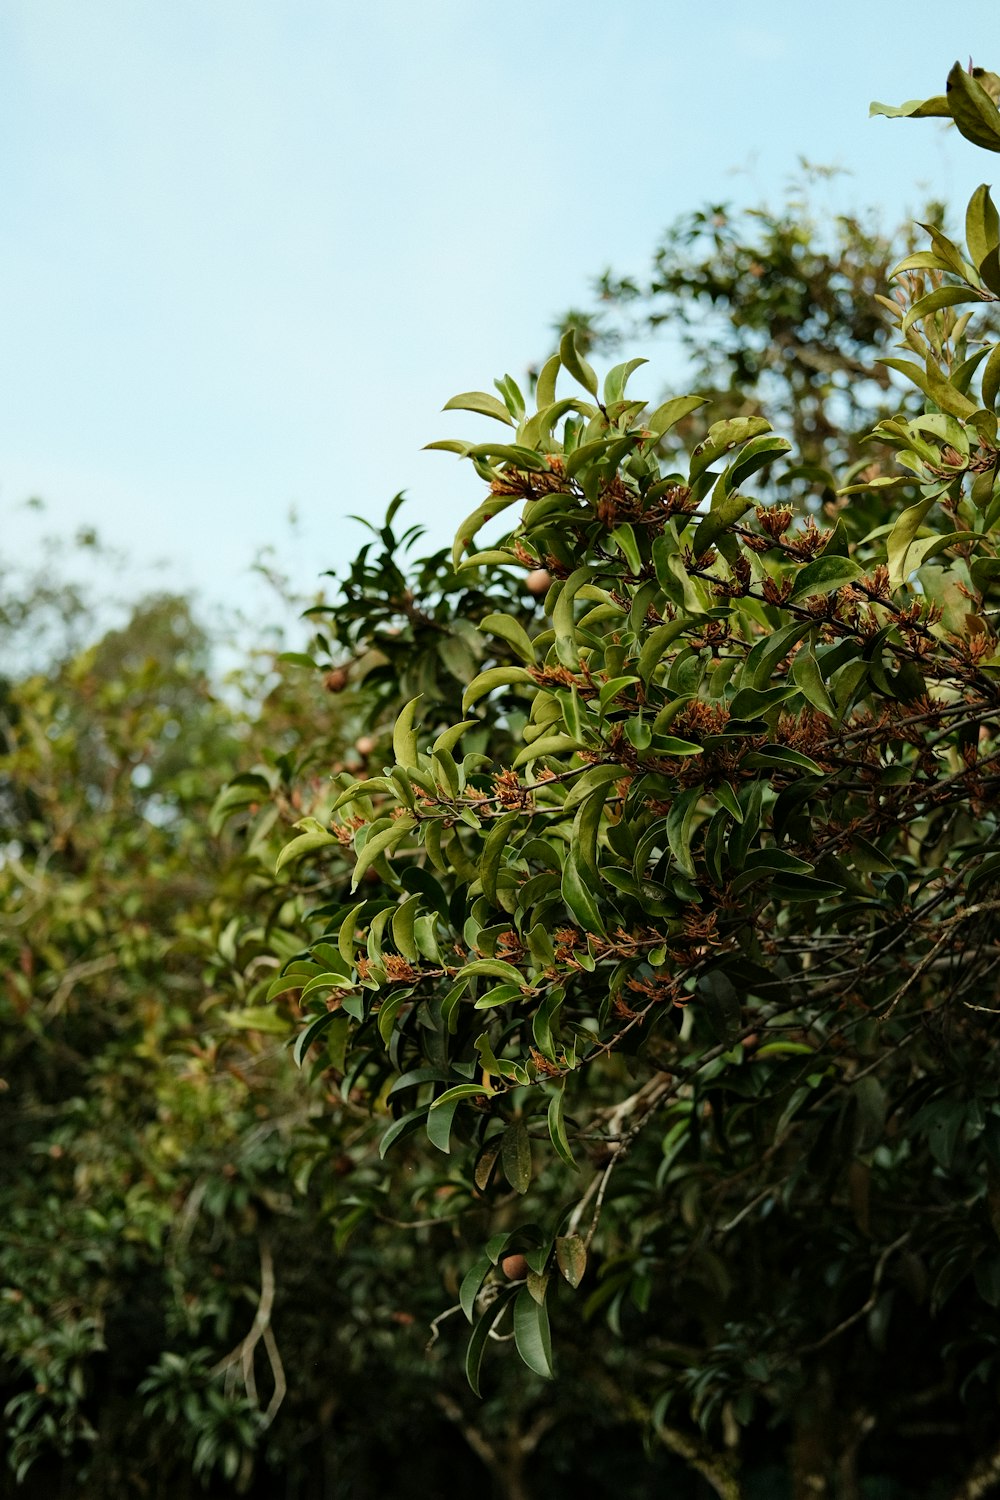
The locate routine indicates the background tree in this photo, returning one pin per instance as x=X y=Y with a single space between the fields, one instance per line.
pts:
x=205 y=1279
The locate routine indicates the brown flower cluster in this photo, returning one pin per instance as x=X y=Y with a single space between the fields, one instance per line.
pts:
x=529 y=485
x=617 y=503
x=774 y=519
x=509 y=792
x=398 y=969
x=344 y=832
x=509 y=946
x=807 y=542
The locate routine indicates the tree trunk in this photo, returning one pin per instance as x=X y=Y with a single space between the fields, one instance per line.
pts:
x=810 y=1453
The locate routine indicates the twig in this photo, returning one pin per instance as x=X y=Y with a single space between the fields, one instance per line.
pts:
x=260 y=1331
x=951 y=922
x=869 y=1303
x=88 y=969
x=435 y=1330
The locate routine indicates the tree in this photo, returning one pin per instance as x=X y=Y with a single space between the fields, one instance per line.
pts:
x=679 y=944
x=774 y=312
x=182 y=1300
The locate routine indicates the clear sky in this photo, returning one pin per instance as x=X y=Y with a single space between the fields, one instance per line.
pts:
x=248 y=248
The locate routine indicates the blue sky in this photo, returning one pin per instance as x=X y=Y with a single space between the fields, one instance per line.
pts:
x=249 y=248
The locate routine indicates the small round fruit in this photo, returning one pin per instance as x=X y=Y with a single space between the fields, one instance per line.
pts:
x=335 y=681
x=538 y=582
x=365 y=744
x=514 y=1267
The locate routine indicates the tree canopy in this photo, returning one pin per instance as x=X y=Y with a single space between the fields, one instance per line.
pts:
x=564 y=1011
x=682 y=936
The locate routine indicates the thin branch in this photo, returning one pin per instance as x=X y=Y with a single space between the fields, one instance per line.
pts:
x=435 y=1329
x=869 y=1303
x=242 y=1355
x=483 y=1450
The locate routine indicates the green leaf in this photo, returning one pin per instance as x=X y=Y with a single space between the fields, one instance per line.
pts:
x=462 y=1091
x=991 y=378
x=596 y=776
x=493 y=968
x=574 y=362
x=485 y=1163
x=672 y=412
x=901 y=538
x=723 y=437
x=312 y=1033
x=922 y=551
x=472 y=1283
x=679 y=821
x=727 y=798
x=579 y=897
x=514 y=455
x=670 y=744
x=933 y=384
x=543 y=1021
x=259 y=1018
x=759 y=667
x=439 y=1123
x=404 y=1126
x=466 y=534
x=404 y=736
x=757 y=454
x=292 y=979
x=617 y=378
x=362 y=789
x=531 y=1333
x=782 y=756
x=655 y=646
x=515 y=1156
x=937 y=108
x=571 y=1258
x=823 y=576
x=481 y=402
x=548 y=744
x=387 y=1013
x=317 y=837
x=327 y=982
x=563 y=621
x=982 y=225
x=382 y=843
x=973 y=110
x=490 y=680
x=512 y=397
x=500 y=994
x=480 y=1335
x=493 y=849
x=718 y=520
x=942 y=296
x=751 y=703
x=556 y=1121
x=513 y=632
x=545 y=390
x=808 y=679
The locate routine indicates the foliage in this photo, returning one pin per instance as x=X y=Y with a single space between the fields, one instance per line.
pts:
x=182 y=1303
x=676 y=942
x=585 y=959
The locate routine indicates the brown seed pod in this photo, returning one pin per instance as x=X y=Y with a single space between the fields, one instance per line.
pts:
x=336 y=680
x=538 y=582
x=514 y=1267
